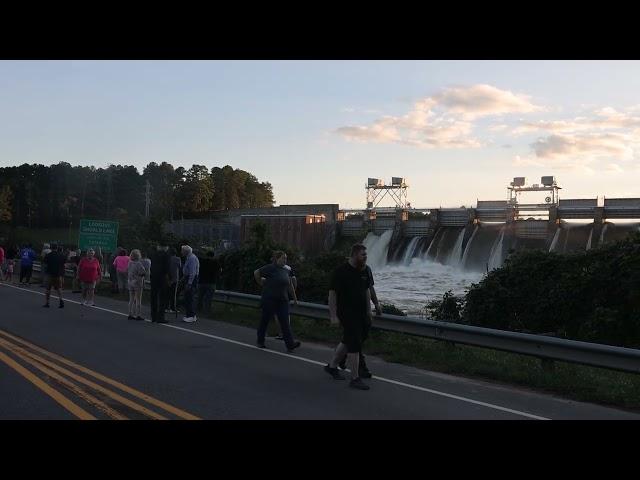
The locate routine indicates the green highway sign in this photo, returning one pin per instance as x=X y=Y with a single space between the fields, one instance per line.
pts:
x=98 y=234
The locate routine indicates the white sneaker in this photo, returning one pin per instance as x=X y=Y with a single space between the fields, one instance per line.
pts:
x=84 y=302
x=189 y=319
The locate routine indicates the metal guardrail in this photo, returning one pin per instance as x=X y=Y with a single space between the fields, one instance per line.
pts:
x=540 y=346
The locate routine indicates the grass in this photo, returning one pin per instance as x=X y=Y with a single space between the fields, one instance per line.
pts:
x=576 y=382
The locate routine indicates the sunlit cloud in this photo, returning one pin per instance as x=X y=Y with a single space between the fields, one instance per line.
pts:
x=443 y=120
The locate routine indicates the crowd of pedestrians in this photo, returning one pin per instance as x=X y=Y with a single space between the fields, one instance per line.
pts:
x=351 y=291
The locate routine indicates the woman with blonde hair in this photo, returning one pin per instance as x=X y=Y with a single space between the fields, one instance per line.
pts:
x=135 y=281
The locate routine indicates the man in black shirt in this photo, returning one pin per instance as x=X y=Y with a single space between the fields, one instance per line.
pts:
x=364 y=370
x=54 y=263
x=160 y=280
x=350 y=305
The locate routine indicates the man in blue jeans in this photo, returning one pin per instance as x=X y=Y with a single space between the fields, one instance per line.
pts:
x=190 y=271
x=276 y=285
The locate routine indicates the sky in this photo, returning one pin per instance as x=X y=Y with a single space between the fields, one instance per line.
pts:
x=457 y=131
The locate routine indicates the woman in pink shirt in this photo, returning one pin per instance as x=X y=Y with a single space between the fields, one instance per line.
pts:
x=89 y=273
x=121 y=263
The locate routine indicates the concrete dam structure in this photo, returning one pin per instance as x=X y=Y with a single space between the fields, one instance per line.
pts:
x=479 y=239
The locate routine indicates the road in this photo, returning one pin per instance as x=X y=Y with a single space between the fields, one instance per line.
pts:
x=92 y=363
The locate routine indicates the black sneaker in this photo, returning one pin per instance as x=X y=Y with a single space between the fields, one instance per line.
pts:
x=359 y=384
x=261 y=345
x=364 y=373
x=343 y=363
x=295 y=345
x=46 y=305
x=61 y=305
x=139 y=318
x=334 y=372
x=131 y=318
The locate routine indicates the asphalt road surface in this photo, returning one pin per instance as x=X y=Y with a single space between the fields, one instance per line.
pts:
x=85 y=362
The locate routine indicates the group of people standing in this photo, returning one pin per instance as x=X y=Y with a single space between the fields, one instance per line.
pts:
x=166 y=274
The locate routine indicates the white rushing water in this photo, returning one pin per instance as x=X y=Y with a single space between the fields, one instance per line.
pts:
x=456 y=254
x=377 y=247
x=468 y=247
x=552 y=248
x=495 y=257
x=408 y=254
x=412 y=285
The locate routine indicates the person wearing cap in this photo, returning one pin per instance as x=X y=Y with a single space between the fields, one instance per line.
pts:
x=89 y=272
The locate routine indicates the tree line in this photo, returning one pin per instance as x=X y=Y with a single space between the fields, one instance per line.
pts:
x=39 y=196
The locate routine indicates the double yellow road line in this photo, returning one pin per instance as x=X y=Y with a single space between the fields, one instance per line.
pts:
x=81 y=382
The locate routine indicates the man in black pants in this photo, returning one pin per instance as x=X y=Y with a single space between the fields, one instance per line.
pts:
x=350 y=305
x=364 y=370
x=159 y=283
x=54 y=263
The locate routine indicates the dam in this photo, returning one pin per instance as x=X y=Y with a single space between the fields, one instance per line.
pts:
x=479 y=239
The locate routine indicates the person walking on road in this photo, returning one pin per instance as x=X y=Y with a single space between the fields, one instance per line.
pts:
x=276 y=287
x=364 y=370
x=27 y=256
x=350 y=305
x=294 y=287
x=89 y=273
x=160 y=280
x=135 y=282
x=190 y=272
x=54 y=262
x=121 y=262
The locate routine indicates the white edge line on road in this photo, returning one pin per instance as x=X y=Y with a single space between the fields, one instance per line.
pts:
x=314 y=362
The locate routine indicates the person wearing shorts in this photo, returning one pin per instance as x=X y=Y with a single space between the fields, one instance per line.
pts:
x=135 y=282
x=350 y=306
x=8 y=272
x=89 y=273
x=121 y=263
x=54 y=263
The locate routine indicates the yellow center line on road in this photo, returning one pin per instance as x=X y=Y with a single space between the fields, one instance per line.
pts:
x=89 y=383
x=57 y=396
x=87 y=397
x=136 y=393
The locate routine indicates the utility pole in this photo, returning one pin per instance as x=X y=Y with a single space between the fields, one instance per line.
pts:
x=147 y=198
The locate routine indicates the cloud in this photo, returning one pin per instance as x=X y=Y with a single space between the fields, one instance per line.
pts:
x=443 y=120
x=614 y=168
x=587 y=146
x=484 y=100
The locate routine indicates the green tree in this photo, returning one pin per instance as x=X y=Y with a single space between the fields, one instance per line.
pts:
x=6 y=198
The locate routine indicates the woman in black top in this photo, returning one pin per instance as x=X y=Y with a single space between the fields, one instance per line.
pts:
x=276 y=285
